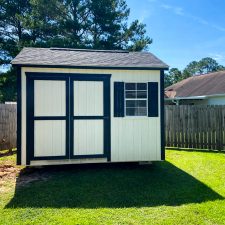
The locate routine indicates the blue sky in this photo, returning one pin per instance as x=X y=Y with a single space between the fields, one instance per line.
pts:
x=183 y=31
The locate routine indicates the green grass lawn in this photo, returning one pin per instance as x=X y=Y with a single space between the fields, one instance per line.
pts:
x=188 y=188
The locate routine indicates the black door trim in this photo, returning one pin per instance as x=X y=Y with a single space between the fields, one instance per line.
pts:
x=105 y=78
x=30 y=78
x=69 y=78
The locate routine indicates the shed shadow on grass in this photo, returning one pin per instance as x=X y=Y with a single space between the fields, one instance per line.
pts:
x=112 y=186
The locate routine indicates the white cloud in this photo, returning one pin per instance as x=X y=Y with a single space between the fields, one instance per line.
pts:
x=144 y=15
x=218 y=57
x=165 y=6
x=177 y=10
x=180 y=12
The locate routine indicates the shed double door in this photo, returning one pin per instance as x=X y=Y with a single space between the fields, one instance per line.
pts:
x=68 y=116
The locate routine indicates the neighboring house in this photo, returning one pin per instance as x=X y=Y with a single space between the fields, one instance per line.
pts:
x=89 y=106
x=207 y=89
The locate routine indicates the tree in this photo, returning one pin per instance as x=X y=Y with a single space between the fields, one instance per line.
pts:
x=11 y=31
x=205 y=65
x=101 y=24
x=173 y=76
x=7 y=86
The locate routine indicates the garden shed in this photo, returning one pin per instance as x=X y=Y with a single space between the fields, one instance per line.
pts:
x=89 y=106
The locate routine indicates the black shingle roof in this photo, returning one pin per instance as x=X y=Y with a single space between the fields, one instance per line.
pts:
x=87 y=58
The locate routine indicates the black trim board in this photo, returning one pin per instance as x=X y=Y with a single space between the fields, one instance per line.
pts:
x=31 y=76
x=119 y=99
x=106 y=114
x=92 y=67
x=162 y=114
x=19 y=116
x=153 y=101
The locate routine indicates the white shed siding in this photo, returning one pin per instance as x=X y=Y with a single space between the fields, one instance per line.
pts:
x=132 y=138
x=49 y=98
x=88 y=137
x=88 y=98
x=49 y=138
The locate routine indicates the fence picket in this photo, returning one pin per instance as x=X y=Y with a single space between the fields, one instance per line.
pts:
x=195 y=126
x=7 y=126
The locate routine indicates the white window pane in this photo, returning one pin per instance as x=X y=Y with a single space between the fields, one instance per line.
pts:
x=142 y=111
x=130 y=86
x=131 y=94
x=141 y=86
x=141 y=94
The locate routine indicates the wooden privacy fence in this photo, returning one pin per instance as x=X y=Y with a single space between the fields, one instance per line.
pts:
x=186 y=126
x=199 y=126
x=7 y=126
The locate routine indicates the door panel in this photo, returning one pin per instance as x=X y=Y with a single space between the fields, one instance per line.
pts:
x=49 y=138
x=49 y=98
x=88 y=98
x=90 y=110
x=47 y=116
x=88 y=137
x=68 y=116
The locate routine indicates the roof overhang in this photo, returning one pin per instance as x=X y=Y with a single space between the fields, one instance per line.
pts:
x=90 y=67
x=195 y=97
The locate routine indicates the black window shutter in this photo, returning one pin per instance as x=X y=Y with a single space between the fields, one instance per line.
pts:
x=153 y=102
x=118 y=99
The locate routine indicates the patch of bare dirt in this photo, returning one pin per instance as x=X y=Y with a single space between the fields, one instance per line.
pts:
x=8 y=171
x=11 y=175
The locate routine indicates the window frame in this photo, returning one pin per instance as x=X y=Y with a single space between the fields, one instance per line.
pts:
x=136 y=99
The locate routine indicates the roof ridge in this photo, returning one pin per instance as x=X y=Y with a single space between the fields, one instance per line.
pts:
x=88 y=50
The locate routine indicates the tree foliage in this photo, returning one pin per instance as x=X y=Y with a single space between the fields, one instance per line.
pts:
x=7 y=86
x=100 y=24
x=173 y=76
x=204 y=66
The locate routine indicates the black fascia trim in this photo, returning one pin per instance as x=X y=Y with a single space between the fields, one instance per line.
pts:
x=30 y=77
x=19 y=115
x=93 y=67
x=162 y=115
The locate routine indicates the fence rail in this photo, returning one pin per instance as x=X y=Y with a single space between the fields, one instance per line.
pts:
x=201 y=127
x=7 y=126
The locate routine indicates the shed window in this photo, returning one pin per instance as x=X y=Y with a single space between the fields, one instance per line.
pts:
x=136 y=99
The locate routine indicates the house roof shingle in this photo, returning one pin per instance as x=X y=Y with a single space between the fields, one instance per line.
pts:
x=87 y=58
x=200 y=85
